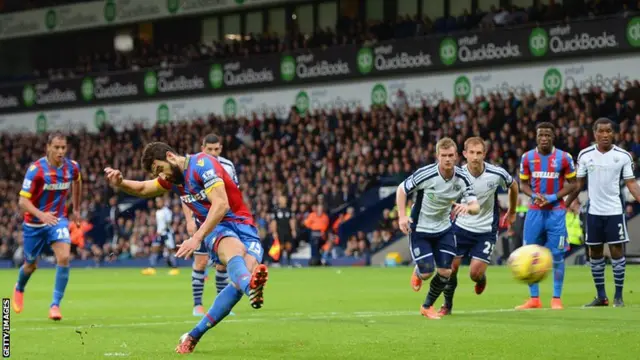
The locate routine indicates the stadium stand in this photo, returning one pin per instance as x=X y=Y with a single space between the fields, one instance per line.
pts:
x=61 y=56
x=326 y=159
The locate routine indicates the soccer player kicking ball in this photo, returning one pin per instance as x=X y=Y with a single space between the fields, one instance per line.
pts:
x=547 y=175
x=210 y=145
x=43 y=198
x=227 y=226
x=476 y=235
x=438 y=186
x=603 y=164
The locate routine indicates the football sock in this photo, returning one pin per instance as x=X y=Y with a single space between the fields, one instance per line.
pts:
x=619 y=266
x=534 y=290
x=197 y=286
x=222 y=280
x=225 y=301
x=62 y=278
x=597 y=272
x=435 y=289
x=172 y=260
x=239 y=274
x=22 y=279
x=153 y=259
x=558 y=275
x=449 y=290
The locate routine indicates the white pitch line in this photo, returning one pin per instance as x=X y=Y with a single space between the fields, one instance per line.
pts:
x=286 y=317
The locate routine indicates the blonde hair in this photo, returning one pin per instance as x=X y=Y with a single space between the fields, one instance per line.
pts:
x=446 y=143
x=475 y=141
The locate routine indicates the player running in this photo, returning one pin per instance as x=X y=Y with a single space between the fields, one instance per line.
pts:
x=211 y=145
x=603 y=164
x=43 y=199
x=438 y=186
x=164 y=238
x=227 y=226
x=548 y=175
x=476 y=235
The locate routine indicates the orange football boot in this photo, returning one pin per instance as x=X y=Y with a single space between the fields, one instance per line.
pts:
x=429 y=313
x=18 y=300
x=54 y=313
x=532 y=303
x=556 y=304
x=258 y=280
x=187 y=344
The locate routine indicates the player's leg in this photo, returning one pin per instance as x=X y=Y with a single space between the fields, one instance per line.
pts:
x=242 y=259
x=532 y=234
x=422 y=256
x=558 y=245
x=200 y=262
x=450 y=288
x=154 y=255
x=34 y=240
x=595 y=244
x=480 y=260
x=444 y=250
x=617 y=237
x=61 y=246
x=170 y=245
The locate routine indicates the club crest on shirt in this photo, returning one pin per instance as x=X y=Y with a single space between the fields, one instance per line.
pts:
x=616 y=159
x=491 y=184
x=553 y=163
x=456 y=187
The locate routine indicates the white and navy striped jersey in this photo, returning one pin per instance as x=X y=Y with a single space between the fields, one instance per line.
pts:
x=229 y=168
x=485 y=187
x=431 y=212
x=164 y=217
x=604 y=171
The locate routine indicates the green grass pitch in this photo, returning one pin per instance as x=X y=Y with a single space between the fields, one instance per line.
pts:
x=322 y=313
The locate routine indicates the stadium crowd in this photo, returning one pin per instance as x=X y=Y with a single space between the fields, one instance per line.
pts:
x=53 y=58
x=307 y=165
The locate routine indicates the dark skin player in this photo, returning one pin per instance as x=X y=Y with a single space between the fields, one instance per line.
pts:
x=544 y=139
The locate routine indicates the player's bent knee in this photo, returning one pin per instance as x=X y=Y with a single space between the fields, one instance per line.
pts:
x=477 y=270
x=444 y=272
x=200 y=262
x=30 y=267
x=616 y=250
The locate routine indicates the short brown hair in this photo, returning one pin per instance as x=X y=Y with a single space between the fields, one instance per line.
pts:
x=445 y=143
x=476 y=140
x=154 y=151
x=56 y=135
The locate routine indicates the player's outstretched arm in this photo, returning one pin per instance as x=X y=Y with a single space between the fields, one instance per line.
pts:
x=142 y=189
x=191 y=223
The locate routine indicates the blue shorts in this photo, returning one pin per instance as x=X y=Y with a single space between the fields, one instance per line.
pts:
x=610 y=229
x=247 y=234
x=36 y=238
x=429 y=248
x=167 y=240
x=547 y=228
x=478 y=246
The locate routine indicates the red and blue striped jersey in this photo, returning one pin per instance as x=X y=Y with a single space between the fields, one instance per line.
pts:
x=203 y=173
x=47 y=186
x=547 y=174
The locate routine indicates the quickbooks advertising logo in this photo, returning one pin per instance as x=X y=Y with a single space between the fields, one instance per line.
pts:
x=379 y=95
x=51 y=19
x=307 y=67
x=384 y=58
x=633 y=31
x=166 y=81
x=109 y=10
x=462 y=87
x=100 y=118
x=470 y=49
x=163 y=115
x=552 y=81
x=43 y=94
x=302 y=102
x=105 y=87
x=41 y=123
x=565 y=39
x=238 y=74
x=230 y=107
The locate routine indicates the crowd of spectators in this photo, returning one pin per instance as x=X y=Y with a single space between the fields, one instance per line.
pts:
x=309 y=164
x=347 y=31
